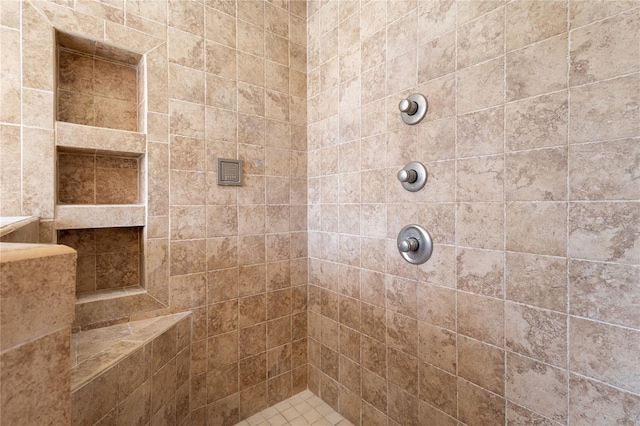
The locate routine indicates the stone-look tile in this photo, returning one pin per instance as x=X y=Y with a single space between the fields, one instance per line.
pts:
x=536 y=333
x=402 y=72
x=374 y=390
x=537 y=122
x=615 y=182
x=437 y=305
x=374 y=356
x=604 y=352
x=588 y=59
x=480 y=225
x=35 y=383
x=403 y=407
x=402 y=369
x=437 y=140
x=537 y=69
x=85 y=408
x=524 y=373
x=10 y=170
x=481 y=133
x=480 y=272
x=437 y=347
x=481 y=39
x=402 y=35
x=187 y=119
x=480 y=179
x=605 y=292
x=481 y=364
x=37 y=164
x=477 y=406
x=582 y=14
x=594 y=402
x=37 y=52
x=225 y=411
x=438 y=388
x=517 y=414
x=529 y=22
x=538 y=228
x=603 y=231
x=481 y=318
x=435 y=19
x=611 y=101
x=483 y=85
x=431 y=415
x=436 y=58
x=525 y=284
x=536 y=175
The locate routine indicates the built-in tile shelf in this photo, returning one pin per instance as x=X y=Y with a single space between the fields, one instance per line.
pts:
x=99 y=140
x=99 y=216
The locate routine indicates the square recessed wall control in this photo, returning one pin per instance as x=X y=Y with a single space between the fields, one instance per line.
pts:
x=229 y=172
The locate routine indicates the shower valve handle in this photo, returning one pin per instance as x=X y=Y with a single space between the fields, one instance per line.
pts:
x=408 y=106
x=408 y=245
x=409 y=176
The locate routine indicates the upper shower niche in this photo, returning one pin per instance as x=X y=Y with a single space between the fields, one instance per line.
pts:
x=98 y=85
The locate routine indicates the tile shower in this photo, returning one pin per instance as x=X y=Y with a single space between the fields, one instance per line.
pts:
x=114 y=113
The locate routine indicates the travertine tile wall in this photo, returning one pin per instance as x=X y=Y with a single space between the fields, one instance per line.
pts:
x=236 y=257
x=527 y=311
x=108 y=258
x=97 y=179
x=96 y=92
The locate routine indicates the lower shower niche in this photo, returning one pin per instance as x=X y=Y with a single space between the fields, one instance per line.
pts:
x=109 y=278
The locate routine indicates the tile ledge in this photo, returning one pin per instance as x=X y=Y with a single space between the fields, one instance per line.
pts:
x=99 y=140
x=141 y=333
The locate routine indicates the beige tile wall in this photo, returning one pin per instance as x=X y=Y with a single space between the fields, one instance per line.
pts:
x=96 y=92
x=108 y=258
x=223 y=79
x=97 y=179
x=524 y=110
x=527 y=309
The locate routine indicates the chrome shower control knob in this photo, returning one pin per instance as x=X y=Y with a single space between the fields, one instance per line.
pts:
x=414 y=244
x=408 y=245
x=413 y=176
x=409 y=176
x=408 y=107
x=413 y=108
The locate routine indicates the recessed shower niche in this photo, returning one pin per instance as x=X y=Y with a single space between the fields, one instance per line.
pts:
x=108 y=258
x=98 y=84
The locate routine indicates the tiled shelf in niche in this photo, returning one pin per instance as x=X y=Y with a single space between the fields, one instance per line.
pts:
x=97 y=84
x=108 y=258
x=95 y=178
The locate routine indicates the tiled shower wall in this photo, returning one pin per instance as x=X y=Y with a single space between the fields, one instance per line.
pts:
x=528 y=309
x=236 y=257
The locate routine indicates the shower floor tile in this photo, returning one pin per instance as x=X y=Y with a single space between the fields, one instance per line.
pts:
x=303 y=409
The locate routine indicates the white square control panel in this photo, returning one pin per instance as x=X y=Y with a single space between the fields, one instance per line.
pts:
x=229 y=172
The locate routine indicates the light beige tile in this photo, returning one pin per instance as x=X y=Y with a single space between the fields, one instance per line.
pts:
x=481 y=39
x=602 y=231
x=595 y=105
x=481 y=318
x=538 y=228
x=481 y=364
x=525 y=285
x=523 y=373
x=483 y=85
x=537 y=122
x=10 y=84
x=537 y=69
x=604 y=292
x=614 y=182
x=611 y=359
x=536 y=175
x=588 y=59
x=536 y=333
x=531 y=21
x=595 y=402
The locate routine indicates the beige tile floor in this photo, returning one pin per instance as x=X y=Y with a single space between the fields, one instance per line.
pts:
x=303 y=409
